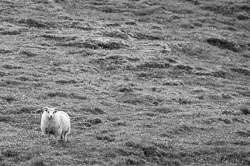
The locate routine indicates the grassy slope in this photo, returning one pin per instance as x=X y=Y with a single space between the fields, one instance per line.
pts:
x=145 y=82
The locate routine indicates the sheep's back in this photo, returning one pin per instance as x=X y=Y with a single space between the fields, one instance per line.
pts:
x=64 y=120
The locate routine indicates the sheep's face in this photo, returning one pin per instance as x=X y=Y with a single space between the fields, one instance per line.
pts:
x=50 y=112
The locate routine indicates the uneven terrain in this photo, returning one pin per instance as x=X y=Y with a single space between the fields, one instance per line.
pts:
x=145 y=82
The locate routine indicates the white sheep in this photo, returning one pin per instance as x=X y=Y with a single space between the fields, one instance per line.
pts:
x=55 y=123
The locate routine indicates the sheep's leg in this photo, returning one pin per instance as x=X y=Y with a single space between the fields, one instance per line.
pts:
x=56 y=138
x=66 y=135
x=62 y=136
x=44 y=130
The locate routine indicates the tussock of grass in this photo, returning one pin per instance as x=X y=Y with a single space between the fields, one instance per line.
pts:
x=11 y=32
x=245 y=110
x=37 y=162
x=226 y=8
x=245 y=72
x=58 y=37
x=152 y=65
x=66 y=82
x=235 y=157
x=5 y=51
x=183 y=68
x=95 y=44
x=83 y=52
x=143 y=36
x=105 y=138
x=11 y=67
x=36 y=23
x=9 y=98
x=224 y=44
x=9 y=83
x=95 y=111
x=66 y=95
x=243 y=133
x=94 y=121
x=10 y=153
x=28 y=53
x=173 y=83
x=5 y=118
x=116 y=34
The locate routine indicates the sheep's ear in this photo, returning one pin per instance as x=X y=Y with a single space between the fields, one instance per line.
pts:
x=55 y=110
x=45 y=109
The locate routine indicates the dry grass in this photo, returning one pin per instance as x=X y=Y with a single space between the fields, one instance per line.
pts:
x=144 y=82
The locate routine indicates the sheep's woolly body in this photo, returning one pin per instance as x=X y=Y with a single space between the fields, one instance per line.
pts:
x=58 y=124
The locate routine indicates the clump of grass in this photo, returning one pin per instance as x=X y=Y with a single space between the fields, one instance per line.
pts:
x=57 y=94
x=224 y=44
x=143 y=36
x=242 y=158
x=116 y=34
x=28 y=53
x=220 y=73
x=226 y=8
x=150 y=65
x=37 y=162
x=243 y=133
x=183 y=129
x=5 y=51
x=9 y=66
x=151 y=153
x=27 y=109
x=83 y=52
x=66 y=95
x=10 y=153
x=173 y=83
x=245 y=72
x=95 y=44
x=105 y=138
x=66 y=82
x=109 y=9
x=94 y=121
x=185 y=101
x=9 y=98
x=95 y=111
x=163 y=110
x=58 y=37
x=5 y=118
x=124 y=89
x=183 y=68
x=148 y=11
x=32 y=22
x=11 y=32
x=82 y=125
x=132 y=161
x=9 y=83
x=245 y=110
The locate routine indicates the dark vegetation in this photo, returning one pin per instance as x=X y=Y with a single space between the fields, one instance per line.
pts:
x=145 y=82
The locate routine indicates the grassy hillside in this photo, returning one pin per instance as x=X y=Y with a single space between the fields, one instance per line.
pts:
x=145 y=82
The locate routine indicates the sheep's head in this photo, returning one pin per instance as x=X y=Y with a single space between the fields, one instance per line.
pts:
x=50 y=112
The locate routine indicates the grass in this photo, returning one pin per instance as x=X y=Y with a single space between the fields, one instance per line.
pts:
x=144 y=82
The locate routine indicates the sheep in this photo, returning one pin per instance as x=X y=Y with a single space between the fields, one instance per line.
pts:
x=55 y=123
